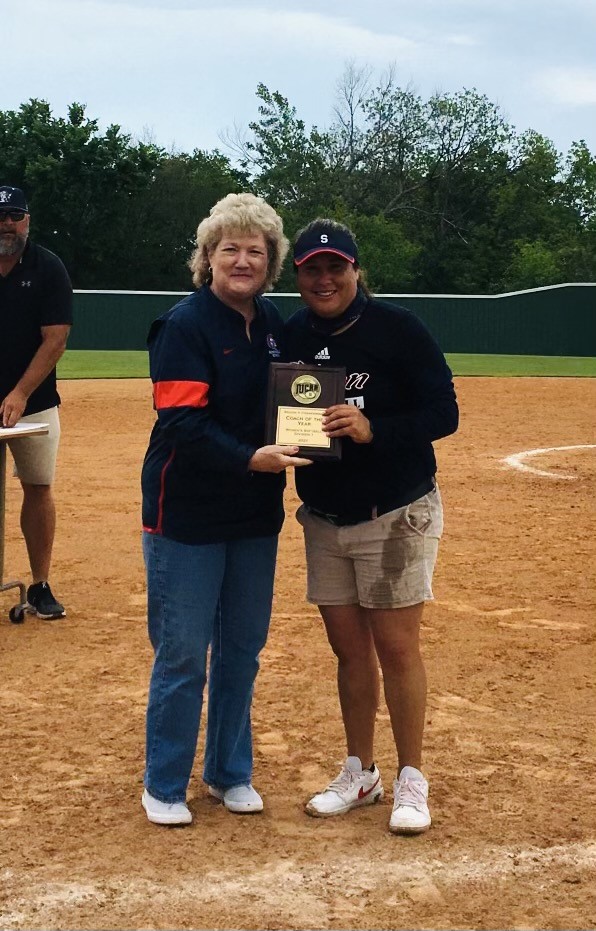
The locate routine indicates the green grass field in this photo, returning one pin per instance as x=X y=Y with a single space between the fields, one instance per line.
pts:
x=556 y=366
x=81 y=363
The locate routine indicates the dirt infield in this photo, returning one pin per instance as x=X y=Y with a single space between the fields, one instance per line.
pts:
x=511 y=733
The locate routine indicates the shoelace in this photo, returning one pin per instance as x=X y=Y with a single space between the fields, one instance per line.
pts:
x=410 y=793
x=343 y=782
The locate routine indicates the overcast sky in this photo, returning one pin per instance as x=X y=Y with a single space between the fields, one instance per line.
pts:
x=182 y=72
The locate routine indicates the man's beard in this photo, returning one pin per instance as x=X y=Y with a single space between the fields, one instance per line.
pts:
x=12 y=243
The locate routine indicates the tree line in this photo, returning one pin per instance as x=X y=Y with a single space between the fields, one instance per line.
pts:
x=443 y=194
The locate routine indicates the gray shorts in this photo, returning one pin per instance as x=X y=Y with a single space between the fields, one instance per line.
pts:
x=383 y=563
x=35 y=456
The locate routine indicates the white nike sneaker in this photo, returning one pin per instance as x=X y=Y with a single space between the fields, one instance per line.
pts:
x=170 y=813
x=353 y=787
x=410 y=813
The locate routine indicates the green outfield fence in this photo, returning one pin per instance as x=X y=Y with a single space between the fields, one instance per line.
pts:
x=559 y=320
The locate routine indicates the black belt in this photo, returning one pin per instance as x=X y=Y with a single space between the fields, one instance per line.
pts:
x=377 y=510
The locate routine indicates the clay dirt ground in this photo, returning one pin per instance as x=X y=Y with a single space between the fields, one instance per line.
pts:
x=510 y=741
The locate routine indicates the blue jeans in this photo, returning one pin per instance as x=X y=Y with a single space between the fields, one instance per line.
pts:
x=216 y=594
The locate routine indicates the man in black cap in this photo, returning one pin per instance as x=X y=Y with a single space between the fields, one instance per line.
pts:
x=35 y=319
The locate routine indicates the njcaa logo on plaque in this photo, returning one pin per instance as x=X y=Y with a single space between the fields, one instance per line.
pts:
x=306 y=389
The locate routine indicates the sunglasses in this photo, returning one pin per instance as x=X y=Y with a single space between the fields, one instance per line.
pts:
x=15 y=215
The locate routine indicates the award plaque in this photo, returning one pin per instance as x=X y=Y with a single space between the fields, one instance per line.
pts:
x=298 y=396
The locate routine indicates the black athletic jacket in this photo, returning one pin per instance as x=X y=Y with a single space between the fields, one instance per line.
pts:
x=209 y=391
x=397 y=375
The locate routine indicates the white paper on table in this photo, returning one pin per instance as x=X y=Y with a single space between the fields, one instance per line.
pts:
x=22 y=429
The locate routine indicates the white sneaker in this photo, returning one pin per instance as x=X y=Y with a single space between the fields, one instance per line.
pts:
x=241 y=800
x=353 y=787
x=165 y=812
x=410 y=813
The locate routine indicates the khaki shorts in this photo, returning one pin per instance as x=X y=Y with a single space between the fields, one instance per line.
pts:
x=35 y=456
x=383 y=563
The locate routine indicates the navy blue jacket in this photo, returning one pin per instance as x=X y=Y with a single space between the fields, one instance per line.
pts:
x=397 y=375
x=209 y=391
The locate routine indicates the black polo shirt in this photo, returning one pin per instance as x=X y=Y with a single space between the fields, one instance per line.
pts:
x=36 y=293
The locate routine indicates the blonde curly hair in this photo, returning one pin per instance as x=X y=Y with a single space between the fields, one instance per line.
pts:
x=241 y=214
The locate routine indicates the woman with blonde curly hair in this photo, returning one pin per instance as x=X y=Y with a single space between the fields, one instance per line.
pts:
x=212 y=509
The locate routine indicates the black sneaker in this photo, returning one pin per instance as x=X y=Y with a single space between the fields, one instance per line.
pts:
x=41 y=602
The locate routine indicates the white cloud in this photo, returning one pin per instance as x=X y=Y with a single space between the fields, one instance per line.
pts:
x=186 y=74
x=336 y=36
x=187 y=69
x=461 y=39
x=575 y=87
x=208 y=30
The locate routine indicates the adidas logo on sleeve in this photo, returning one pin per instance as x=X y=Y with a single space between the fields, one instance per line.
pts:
x=323 y=354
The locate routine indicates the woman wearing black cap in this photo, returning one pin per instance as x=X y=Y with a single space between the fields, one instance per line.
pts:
x=372 y=520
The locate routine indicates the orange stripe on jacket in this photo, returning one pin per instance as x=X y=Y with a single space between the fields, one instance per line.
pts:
x=180 y=394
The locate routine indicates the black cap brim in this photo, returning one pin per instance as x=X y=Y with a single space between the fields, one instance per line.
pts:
x=308 y=255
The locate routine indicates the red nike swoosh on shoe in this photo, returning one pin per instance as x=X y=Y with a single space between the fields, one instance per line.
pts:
x=363 y=794
x=228 y=351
